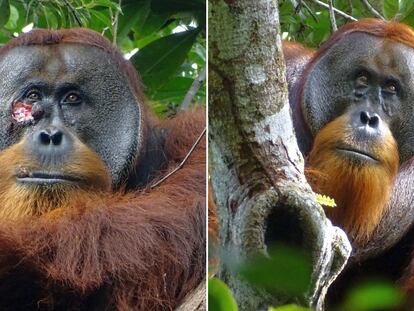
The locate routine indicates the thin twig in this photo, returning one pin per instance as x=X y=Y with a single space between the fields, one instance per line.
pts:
x=193 y=89
x=112 y=23
x=298 y=5
x=183 y=161
x=326 y=6
x=308 y=8
x=350 y=6
x=74 y=13
x=104 y=30
x=115 y=20
x=29 y=6
x=332 y=16
x=372 y=9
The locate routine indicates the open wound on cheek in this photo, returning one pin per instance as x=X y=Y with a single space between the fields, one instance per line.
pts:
x=22 y=112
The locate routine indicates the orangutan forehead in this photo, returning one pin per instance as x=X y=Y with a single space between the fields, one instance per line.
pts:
x=51 y=62
x=375 y=52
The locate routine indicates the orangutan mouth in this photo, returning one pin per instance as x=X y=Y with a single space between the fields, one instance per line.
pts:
x=357 y=154
x=44 y=178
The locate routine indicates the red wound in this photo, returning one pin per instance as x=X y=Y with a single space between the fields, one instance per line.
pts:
x=22 y=112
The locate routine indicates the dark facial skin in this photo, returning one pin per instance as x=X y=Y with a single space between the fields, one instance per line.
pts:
x=71 y=91
x=369 y=78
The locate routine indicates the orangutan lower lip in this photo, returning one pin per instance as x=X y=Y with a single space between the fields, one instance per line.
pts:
x=45 y=178
x=356 y=153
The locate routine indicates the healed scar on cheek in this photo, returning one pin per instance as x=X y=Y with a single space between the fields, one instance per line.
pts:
x=22 y=112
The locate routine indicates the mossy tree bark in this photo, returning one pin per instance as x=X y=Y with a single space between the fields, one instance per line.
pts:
x=256 y=167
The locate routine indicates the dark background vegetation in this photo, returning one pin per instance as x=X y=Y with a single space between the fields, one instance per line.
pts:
x=309 y=22
x=165 y=39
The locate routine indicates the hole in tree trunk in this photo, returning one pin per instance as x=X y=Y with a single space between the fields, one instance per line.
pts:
x=283 y=227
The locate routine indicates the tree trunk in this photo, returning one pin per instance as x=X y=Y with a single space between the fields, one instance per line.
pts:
x=256 y=167
x=196 y=300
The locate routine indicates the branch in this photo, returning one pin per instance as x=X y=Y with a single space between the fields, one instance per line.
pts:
x=350 y=6
x=297 y=5
x=195 y=300
x=257 y=168
x=307 y=7
x=193 y=89
x=115 y=19
x=183 y=161
x=372 y=9
x=326 y=6
x=28 y=7
x=332 y=16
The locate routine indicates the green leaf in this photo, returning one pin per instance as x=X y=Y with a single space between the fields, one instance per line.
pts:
x=289 y=308
x=373 y=296
x=61 y=17
x=409 y=20
x=405 y=9
x=152 y=23
x=390 y=8
x=286 y=271
x=200 y=50
x=4 y=12
x=220 y=297
x=104 y=3
x=173 y=90
x=3 y=38
x=47 y=19
x=126 y=45
x=13 y=19
x=141 y=43
x=99 y=20
x=138 y=16
x=174 y=6
x=134 y=12
x=159 y=60
x=57 y=16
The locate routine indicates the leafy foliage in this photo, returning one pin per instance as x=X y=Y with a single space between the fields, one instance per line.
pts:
x=308 y=22
x=164 y=38
x=285 y=271
x=289 y=308
x=220 y=297
x=373 y=296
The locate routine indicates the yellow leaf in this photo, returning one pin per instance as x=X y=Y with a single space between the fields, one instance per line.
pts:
x=325 y=200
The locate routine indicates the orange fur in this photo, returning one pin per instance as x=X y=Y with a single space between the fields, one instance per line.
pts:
x=19 y=200
x=294 y=52
x=213 y=233
x=212 y=217
x=141 y=250
x=361 y=191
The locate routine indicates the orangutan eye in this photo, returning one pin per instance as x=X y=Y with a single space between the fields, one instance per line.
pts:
x=362 y=79
x=72 y=99
x=391 y=87
x=33 y=96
